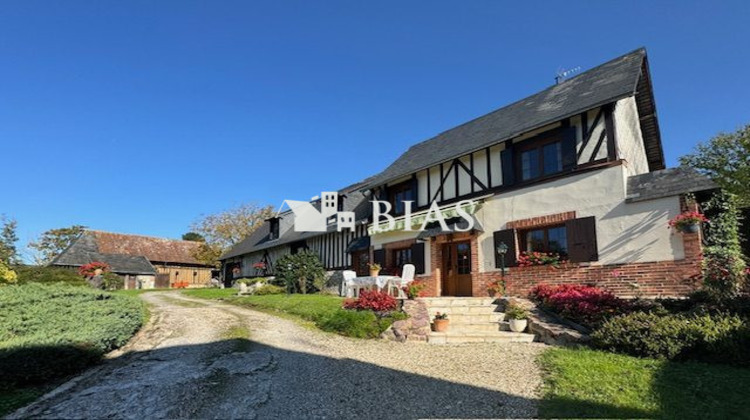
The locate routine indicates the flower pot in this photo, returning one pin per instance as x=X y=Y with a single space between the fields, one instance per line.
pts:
x=691 y=228
x=518 y=325
x=374 y=273
x=440 y=325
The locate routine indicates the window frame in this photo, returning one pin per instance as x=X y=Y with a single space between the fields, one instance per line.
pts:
x=538 y=145
x=394 y=257
x=523 y=240
x=393 y=190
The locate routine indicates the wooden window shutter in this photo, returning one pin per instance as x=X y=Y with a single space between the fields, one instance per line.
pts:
x=569 y=155
x=378 y=257
x=417 y=256
x=582 y=246
x=508 y=236
x=506 y=160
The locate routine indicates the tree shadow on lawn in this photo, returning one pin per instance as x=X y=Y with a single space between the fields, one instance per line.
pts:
x=693 y=390
x=241 y=378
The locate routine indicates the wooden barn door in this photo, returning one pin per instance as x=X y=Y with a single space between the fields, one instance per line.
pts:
x=162 y=281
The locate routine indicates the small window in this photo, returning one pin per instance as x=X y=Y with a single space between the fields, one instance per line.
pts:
x=540 y=159
x=401 y=257
x=546 y=239
x=397 y=194
x=274 y=228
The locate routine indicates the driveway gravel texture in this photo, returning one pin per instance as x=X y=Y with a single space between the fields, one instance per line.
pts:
x=207 y=359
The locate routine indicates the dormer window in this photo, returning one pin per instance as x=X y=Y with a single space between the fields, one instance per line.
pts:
x=274 y=228
x=539 y=159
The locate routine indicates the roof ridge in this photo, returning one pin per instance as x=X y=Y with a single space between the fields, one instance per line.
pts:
x=137 y=235
x=643 y=49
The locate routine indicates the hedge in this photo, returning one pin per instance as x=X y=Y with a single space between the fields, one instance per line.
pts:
x=49 y=331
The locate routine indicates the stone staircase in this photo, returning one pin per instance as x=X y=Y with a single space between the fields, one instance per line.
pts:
x=472 y=320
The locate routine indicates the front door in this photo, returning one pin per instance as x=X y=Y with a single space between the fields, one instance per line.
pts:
x=456 y=269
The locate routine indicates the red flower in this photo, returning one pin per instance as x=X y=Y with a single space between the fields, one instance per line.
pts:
x=372 y=300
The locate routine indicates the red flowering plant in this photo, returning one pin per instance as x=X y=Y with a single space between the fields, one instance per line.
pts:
x=529 y=258
x=414 y=289
x=372 y=300
x=260 y=265
x=688 y=218
x=587 y=305
x=89 y=270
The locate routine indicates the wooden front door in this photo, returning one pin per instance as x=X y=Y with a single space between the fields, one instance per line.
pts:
x=456 y=279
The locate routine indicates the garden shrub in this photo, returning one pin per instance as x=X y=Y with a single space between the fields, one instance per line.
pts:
x=588 y=305
x=269 y=289
x=372 y=300
x=41 y=274
x=302 y=272
x=723 y=272
x=49 y=331
x=717 y=337
x=7 y=276
x=112 y=281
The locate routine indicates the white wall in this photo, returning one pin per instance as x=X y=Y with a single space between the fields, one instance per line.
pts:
x=626 y=232
x=629 y=137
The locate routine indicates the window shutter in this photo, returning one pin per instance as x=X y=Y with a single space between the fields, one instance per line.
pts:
x=506 y=160
x=508 y=236
x=569 y=156
x=582 y=246
x=378 y=257
x=417 y=256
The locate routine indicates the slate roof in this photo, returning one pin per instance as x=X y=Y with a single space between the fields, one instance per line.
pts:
x=127 y=254
x=84 y=250
x=604 y=84
x=356 y=201
x=667 y=183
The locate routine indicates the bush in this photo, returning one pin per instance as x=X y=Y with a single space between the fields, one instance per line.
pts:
x=301 y=272
x=49 y=331
x=708 y=337
x=372 y=300
x=588 y=305
x=269 y=289
x=112 y=281
x=40 y=274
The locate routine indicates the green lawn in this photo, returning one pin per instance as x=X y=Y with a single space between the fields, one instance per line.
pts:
x=313 y=307
x=586 y=383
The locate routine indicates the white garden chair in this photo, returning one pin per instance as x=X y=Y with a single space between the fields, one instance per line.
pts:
x=407 y=276
x=347 y=285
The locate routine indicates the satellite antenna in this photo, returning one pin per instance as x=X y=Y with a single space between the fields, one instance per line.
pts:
x=563 y=74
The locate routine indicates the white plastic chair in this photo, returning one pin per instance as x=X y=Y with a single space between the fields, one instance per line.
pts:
x=407 y=276
x=347 y=285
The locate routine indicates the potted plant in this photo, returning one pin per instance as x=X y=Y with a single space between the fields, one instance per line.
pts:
x=440 y=323
x=414 y=289
x=375 y=269
x=496 y=288
x=688 y=222
x=517 y=317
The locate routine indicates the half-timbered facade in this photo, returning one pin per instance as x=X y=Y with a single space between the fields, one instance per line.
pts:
x=555 y=173
x=348 y=248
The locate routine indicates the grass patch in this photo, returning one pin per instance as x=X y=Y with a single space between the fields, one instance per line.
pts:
x=136 y=292
x=13 y=398
x=212 y=293
x=586 y=383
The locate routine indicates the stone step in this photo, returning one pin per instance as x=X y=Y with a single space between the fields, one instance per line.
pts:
x=451 y=337
x=474 y=318
x=477 y=327
x=458 y=301
x=485 y=309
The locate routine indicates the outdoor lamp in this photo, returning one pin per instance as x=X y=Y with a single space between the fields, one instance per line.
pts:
x=502 y=249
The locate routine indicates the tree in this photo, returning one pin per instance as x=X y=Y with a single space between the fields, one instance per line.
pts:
x=226 y=229
x=55 y=241
x=8 y=239
x=723 y=268
x=194 y=237
x=725 y=159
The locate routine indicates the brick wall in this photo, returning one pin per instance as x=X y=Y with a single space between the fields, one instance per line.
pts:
x=661 y=278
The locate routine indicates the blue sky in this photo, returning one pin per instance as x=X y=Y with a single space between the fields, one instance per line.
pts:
x=139 y=116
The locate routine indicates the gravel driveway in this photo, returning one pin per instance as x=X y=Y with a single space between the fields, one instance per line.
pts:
x=195 y=359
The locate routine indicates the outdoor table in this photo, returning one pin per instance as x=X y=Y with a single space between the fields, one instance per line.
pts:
x=367 y=281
